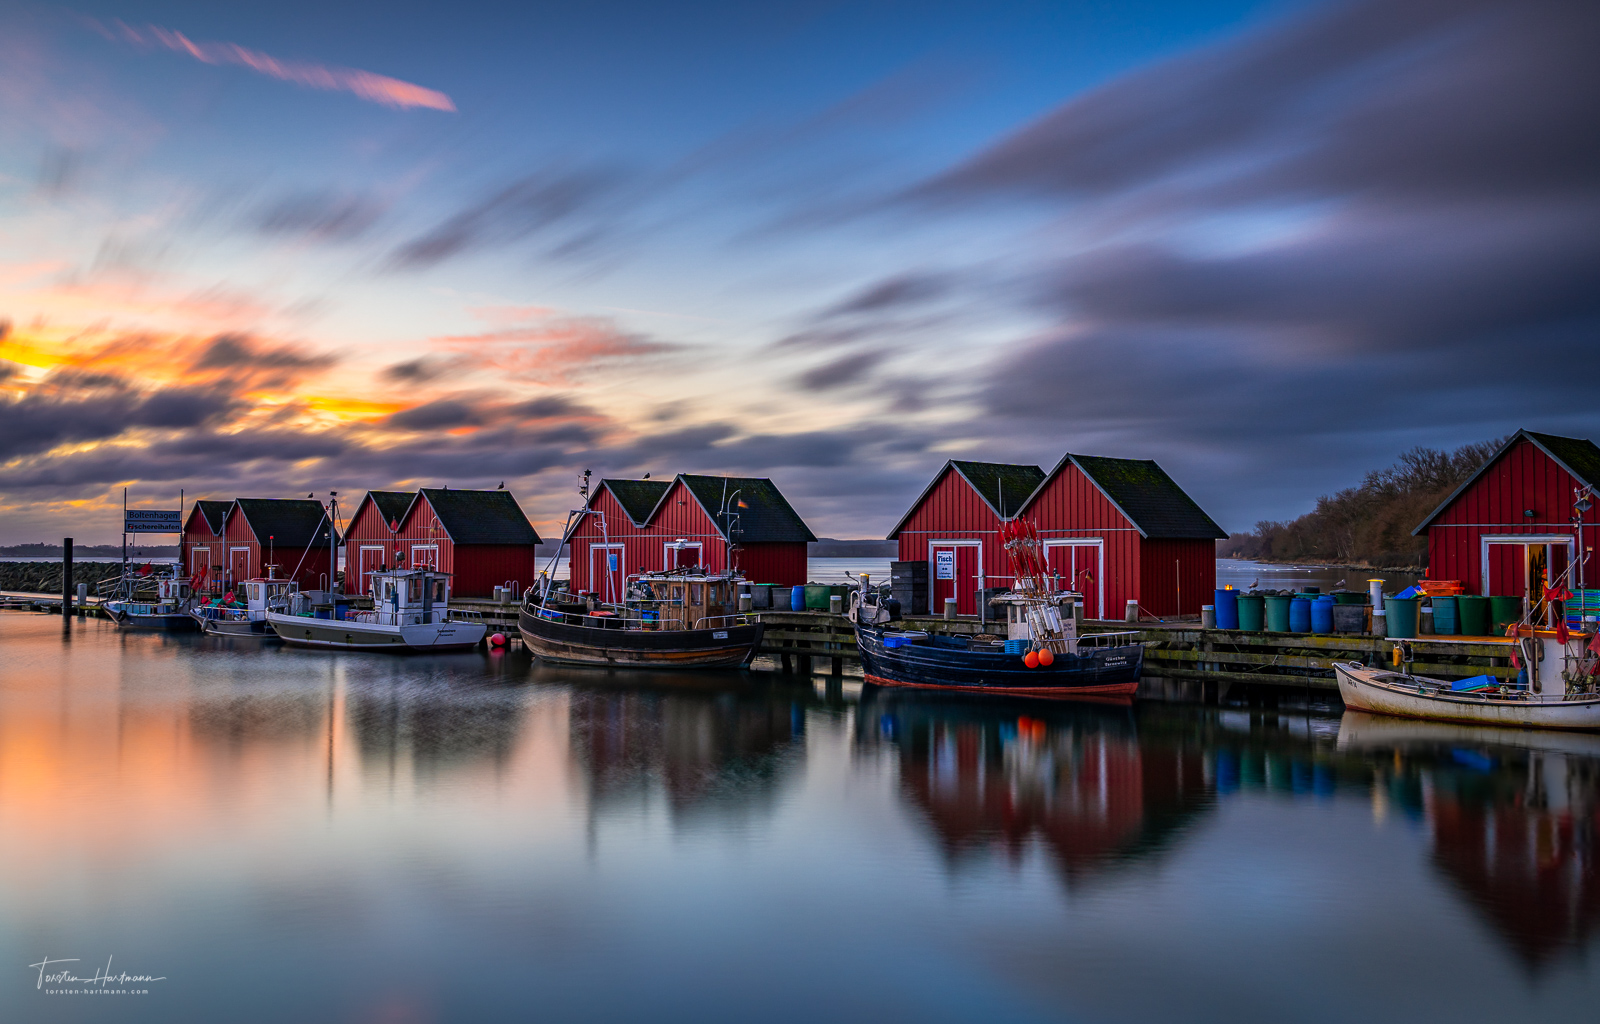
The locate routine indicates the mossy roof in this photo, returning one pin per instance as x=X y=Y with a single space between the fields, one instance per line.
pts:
x=1152 y=500
x=286 y=522
x=757 y=513
x=1578 y=456
x=638 y=498
x=215 y=513
x=480 y=517
x=1001 y=485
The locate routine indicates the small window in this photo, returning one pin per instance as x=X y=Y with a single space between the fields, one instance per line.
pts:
x=695 y=594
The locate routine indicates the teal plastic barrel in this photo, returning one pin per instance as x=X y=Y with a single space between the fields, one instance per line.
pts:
x=1278 y=612
x=1503 y=611
x=1472 y=613
x=1349 y=597
x=1445 y=618
x=1251 y=610
x=1401 y=613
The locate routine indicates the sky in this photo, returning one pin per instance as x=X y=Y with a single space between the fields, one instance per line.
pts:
x=273 y=250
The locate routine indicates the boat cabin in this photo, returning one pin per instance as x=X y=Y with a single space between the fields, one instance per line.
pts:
x=672 y=601
x=409 y=597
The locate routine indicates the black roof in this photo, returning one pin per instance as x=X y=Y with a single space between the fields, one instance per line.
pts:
x=638 y=498
x=997 y=483
x=1152 y=500
x=1576 y=455
x=216 y=513
x=762 y=514
x=480 y=517
x=392 y=505
x=290 y=522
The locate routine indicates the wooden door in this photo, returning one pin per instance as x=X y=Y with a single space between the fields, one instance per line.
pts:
x=200 y=562
x=1078 y=567
x=954 y=573
x=1508 y=570
x=239 y=564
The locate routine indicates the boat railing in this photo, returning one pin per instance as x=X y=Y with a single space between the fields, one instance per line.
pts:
x=712 y=621
x=1121 y=639
x=464 y=615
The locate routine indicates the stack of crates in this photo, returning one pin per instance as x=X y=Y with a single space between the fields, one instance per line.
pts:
x=1584 y=602
x=908 y=584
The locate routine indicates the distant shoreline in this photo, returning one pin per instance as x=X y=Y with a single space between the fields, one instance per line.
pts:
x=1416 y=570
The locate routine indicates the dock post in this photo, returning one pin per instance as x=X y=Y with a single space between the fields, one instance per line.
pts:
x=66 y=580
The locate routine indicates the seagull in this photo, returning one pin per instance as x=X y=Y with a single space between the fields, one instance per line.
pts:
x=646 y=476
x=1256 y=583
x=502 y=486
x=1339 y=584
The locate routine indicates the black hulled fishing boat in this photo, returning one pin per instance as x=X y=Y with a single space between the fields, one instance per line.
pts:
x=1041 y=655
x=678 y=618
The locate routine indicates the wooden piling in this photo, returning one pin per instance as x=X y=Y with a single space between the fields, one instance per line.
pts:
x=66 y=579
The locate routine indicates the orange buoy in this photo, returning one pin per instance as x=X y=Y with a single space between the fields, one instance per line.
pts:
x=1046 y=656
x=1031 y=659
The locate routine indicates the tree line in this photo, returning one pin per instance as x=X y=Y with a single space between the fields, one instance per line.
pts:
x=1369 y=524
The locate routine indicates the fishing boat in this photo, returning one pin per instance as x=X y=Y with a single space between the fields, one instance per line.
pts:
x=411 y=612
x=1040 y=656
x=226 y=616
x=685 y=617
x=1559 y=693
x=680 y=618
x=149 y=602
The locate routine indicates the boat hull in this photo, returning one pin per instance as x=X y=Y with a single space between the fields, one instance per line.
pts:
x=351 y=635
x=1102 y=672
x=564 y=644
x=166 y=622
x=233 y=627
x=1379 y=692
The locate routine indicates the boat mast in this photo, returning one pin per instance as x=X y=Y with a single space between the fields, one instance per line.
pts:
x=574 y=517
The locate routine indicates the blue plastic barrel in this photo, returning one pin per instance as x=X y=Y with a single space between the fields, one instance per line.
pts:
x=797 y=599
x=1300 y=615
x=1227 y=606
x=1322 y=615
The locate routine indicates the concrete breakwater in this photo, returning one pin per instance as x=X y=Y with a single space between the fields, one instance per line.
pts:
x=45 y=577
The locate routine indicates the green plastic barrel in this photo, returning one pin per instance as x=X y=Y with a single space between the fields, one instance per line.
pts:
x=1473 y=613
x=1278 y=612
x=1350 y=597
x=1445 y=620
x=1503 y=611
x=817 y=595
x=1401 y=616
x=1251 y=610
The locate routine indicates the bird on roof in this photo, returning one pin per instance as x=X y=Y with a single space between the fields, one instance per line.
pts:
x=313 y=494
x=502 y=486
x=645 y=477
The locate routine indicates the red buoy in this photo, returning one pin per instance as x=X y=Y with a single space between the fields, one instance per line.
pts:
x=1031 y=659
x=1046 y=656
x=498 y=640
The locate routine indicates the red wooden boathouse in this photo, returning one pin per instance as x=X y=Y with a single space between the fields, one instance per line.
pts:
x=482 y=538
x=1520 y=520
x=712 y=521
x=205 y=548
x=1113 y=529
x=236 y=540
x=1119 y=530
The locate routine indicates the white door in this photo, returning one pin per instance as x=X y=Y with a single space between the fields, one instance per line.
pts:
x=424 y=555
x=1079 y=564
x=371 y=559
x=608 y=571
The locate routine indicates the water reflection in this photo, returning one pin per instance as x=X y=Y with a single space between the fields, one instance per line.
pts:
x=997 y=776
x=722 y=741
x=1513 y=819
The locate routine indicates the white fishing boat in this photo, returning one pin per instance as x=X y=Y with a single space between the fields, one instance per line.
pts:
x=411 y=612
x=1555 y=689
x=227 y=616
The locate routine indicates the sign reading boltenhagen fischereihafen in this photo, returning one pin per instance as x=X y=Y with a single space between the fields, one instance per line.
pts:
x=148 y=520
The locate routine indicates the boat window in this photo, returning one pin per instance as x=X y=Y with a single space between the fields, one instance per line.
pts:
x=438 y=591
x=414 y=591
x=695 y=594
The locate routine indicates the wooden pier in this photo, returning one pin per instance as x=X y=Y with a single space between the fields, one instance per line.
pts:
x=1181 y=651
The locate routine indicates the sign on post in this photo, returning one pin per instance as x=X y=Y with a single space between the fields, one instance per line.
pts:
x=612 y=562
x=944 y=565
x=148 y=520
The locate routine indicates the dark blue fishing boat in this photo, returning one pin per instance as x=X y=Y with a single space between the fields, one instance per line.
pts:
x=892 y=657
x=1041 y=656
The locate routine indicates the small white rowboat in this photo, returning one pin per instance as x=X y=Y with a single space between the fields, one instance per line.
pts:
x=1386 y=692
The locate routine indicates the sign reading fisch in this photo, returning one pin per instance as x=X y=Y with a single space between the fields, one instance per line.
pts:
x=148 y=520
x=944 y=565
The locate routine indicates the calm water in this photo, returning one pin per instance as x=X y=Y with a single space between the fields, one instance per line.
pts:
x=1242 y=575
x=297 y=836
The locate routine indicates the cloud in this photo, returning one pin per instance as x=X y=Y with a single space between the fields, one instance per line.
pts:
x=561 y=205
x=841 y=372
x=390 y=92
x=322 y=216
x=556 y=349
x=1288 y=256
